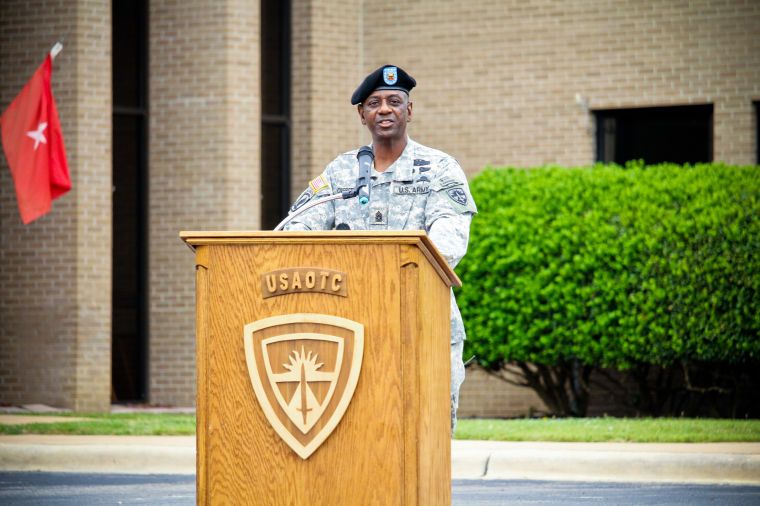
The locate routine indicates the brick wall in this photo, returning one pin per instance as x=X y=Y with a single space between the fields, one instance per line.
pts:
x=486 y=396
x=497 y=79
x=55 y=273
x=326 y=67
x=204 y=162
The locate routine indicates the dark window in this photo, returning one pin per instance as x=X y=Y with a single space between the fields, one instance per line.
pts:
x=130 y=119
x=275 y=109
x=680 y=134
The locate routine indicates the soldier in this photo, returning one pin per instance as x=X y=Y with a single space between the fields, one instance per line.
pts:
x=412 y=187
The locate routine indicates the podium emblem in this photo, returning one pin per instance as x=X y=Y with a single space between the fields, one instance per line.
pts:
x=304 y=369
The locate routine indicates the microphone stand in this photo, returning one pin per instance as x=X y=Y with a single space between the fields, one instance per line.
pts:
x=345 y=195
x=365 y=157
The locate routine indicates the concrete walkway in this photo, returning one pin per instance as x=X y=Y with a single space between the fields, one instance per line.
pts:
x=735 y=463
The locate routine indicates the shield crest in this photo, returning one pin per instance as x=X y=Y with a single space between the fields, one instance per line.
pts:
x=458 y=195
x=304 y=369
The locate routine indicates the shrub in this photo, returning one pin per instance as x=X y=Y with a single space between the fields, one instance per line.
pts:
x=569 y=270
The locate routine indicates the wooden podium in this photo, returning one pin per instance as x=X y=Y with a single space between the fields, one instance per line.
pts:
x=323 y=368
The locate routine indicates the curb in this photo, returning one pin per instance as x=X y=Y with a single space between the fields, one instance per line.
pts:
x=725 y=463
x=684 y=463
x=626 y=467
x=98 y=458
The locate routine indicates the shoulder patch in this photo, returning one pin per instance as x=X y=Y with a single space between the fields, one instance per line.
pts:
x=318 y=183
x=302 y=199
x=460 y=200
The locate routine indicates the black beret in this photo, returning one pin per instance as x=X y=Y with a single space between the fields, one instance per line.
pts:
x=387 y=77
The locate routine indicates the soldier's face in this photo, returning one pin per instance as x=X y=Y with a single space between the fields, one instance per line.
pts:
x=386 y=113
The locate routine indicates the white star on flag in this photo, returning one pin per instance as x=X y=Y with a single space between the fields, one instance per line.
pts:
x=37 y=135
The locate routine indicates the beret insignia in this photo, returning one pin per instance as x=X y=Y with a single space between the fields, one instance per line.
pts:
x=390 y=75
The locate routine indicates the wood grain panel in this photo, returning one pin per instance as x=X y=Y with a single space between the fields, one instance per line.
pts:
x=394 y=433
x=410 y=369
x=434 y=331
x=201 y=351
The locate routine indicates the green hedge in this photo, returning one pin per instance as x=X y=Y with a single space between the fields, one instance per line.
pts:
x=614 y=266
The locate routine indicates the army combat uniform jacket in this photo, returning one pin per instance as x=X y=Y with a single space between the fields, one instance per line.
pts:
x=424 y=189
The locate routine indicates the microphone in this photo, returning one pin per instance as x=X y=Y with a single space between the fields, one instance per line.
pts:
x=365 y=157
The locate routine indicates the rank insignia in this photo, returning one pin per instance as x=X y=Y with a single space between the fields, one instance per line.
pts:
x=378 y=216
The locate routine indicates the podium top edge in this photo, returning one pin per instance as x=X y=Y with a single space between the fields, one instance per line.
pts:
x=418 y=237
x=201 y=238
x=253 y=235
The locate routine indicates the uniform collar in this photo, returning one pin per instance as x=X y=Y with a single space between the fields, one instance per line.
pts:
x=402 y=169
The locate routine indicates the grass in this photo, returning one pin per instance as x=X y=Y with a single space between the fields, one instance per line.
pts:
x=607 y=429
x=122 y=424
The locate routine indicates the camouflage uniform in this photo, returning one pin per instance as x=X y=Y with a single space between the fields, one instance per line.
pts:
x=424 y=189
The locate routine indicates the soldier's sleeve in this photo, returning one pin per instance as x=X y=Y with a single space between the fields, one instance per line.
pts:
x=449 y=211
x=320 y=217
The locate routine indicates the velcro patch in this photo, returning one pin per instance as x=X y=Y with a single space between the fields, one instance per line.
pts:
x=318 y=183
x=457 y=195
x=459 y=200
x=378 y=216
x=302 y=199
x=411 y=189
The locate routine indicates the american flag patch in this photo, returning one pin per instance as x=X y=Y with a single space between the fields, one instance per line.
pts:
x=318 y=183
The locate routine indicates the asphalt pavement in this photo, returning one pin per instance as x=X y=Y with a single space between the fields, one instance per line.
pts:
x=25 y=488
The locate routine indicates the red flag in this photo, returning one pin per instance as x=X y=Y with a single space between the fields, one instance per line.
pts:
x=33 y=144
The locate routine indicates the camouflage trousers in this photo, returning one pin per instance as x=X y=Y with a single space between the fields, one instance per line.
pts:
x=457 y=377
